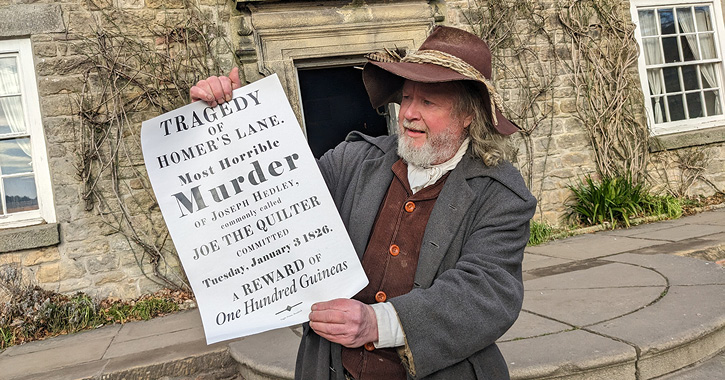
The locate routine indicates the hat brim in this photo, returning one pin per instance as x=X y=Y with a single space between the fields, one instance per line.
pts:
x=383 y=81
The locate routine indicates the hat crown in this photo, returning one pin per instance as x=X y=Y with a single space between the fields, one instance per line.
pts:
x=466 y=46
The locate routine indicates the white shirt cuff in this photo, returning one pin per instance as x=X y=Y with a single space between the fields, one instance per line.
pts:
x=390 y=332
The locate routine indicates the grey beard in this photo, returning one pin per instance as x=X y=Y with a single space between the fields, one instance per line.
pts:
x=437 y=149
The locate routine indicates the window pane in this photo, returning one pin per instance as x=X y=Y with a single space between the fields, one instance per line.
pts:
x=694 y=105
x=15 y=156
x=709 y=75
x=9 y=82
x=647 y=22
x=707 y=44
x=12 y=117
x=652 y=51
x=712 y=102
x=702 y=19
x=672 y=53
x=688 y=50
x=667 y=22
x=672 y=79
x=685 y=23
x=677 y=109
x=689 y=77
x=20 y=194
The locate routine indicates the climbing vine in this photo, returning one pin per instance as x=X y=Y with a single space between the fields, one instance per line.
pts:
x=609 y=100
x=128 y=80
x=525 y=68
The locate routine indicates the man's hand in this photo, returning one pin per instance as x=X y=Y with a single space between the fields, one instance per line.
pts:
x=215 y=90
x=348 y=322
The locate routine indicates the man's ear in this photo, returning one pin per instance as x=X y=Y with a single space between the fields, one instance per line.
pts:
x=467 y=121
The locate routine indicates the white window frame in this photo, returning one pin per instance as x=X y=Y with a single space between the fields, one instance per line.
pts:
x=719 y=28
x=22 y=49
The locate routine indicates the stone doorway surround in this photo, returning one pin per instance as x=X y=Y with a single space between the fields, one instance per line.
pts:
x=283 y=36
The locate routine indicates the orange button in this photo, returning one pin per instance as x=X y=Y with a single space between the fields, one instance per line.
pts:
x=409 y=206
x=369 y=346
x=381 y=296
x=394 y=250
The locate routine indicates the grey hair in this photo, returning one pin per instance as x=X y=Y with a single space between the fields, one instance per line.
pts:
x=486 y=142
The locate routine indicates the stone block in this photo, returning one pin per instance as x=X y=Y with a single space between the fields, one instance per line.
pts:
x=62 y=66
x=45 y=49
x=101 y=263
x=165 y=4
x=59 y=129
x=75 y=285
x=57 y=105
x=26 y=19
x=71 y=269
x=48 y=273
x=60 y=85
x=112 y=278
x=16 y=239
x=40 y=256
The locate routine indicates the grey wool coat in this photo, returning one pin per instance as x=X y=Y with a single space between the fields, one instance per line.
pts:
x=467 y=290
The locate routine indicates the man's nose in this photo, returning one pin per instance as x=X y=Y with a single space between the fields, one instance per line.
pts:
x=411 y=112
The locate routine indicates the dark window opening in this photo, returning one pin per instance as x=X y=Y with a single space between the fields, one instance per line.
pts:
x=335 y=103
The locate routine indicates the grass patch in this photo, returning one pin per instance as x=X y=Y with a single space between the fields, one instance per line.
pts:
x=540 y=232
x=32 y=313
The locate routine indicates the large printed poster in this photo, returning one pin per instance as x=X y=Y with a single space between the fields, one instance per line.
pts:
x=256 y=229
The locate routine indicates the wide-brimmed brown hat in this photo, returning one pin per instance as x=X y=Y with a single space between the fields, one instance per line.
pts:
x=448 y=54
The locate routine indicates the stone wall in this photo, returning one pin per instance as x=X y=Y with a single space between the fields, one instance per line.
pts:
x=96 y=254
x=94 y=257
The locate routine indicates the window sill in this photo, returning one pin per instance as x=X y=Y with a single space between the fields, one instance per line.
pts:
x=37 y=236
x=687 y=139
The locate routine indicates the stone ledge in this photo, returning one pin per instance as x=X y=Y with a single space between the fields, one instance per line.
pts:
x=687 y=139
x=38 y=236
x=27 y=19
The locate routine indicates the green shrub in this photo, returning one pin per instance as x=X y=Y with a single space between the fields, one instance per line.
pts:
x=617 y=200
x=611 y=200
x=540 y=232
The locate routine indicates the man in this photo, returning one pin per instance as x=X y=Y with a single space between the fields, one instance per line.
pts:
x=436 y=216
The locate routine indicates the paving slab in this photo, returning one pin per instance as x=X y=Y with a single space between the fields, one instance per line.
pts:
x=592 y=246
x=86 y=347
x=534 y=261
x=678 y=270
x=665 y=332
x=716 y=217
x=643 y=228
x=684 y=232
x=530 y=325
x=570 y=355
x=583 y=307
x=275 y=361
x=608 y=275
x=158 y=326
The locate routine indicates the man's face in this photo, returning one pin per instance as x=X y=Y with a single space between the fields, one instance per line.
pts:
x=429 y=132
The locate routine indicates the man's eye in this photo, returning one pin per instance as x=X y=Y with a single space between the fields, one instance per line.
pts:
x=427 y=102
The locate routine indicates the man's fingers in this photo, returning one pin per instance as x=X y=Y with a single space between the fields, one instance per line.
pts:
x=328 y=316
x=217 y=89
x=226 y=88
x=234 y=77
x=336 y=304
x=197 y=93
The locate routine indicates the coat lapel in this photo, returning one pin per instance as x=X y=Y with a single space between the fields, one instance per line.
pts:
x=445 y=220
x=377 y=175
